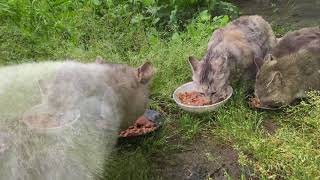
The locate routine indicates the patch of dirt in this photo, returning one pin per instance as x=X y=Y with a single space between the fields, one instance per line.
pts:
x=270 y=126
x=200 y=160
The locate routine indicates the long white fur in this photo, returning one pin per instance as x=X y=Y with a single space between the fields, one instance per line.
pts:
x=77 y=152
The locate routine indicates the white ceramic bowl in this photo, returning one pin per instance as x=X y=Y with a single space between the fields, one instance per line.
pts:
x=49 y=130
x=198 y=109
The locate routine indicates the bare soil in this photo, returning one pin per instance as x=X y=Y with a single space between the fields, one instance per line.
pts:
x=200 y=160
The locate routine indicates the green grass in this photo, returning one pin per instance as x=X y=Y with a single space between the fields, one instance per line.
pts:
x=292 y=152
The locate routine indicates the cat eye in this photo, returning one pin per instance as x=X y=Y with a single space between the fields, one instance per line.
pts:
x=212 y=93
x=205 y=88
x=220 y=76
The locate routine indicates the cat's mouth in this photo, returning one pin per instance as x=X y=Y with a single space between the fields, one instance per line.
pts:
x=271 y=107
x=257 y=103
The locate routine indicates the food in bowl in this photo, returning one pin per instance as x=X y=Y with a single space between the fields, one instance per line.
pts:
x=254 y=103
x=41 y=117
x=42 y=121
x=216 y=100
x=142 y=126
x=194 y=98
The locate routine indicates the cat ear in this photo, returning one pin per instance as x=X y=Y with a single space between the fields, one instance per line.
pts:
x=225 y=62
x=42 y=86
x=271 y=60
x=277 y=79
x=99 y=60
x=270 y=57
x=145 y=73
x=279 y=39
x=194 y=63
x=258 y=62
x=219 y=76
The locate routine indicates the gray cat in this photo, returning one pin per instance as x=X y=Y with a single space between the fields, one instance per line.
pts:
x=294 y=41
x=92 y=102
x=125 y=85
x=233 y=51
x=291 y=70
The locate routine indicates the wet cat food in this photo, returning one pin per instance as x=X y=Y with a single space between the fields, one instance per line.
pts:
x=42 y=121
x=142 y=126
x=254 y=102
x=194 y=98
